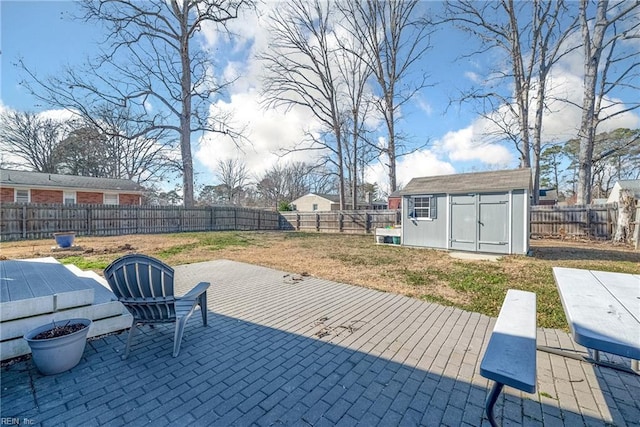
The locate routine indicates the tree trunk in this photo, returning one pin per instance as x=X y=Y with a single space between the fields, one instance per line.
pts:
x=626 y=206
x=592 y=52
x=185 y=114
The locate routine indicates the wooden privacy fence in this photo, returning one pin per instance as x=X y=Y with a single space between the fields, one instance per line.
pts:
x=359 y=221
x=26 y=221
x=591 y=221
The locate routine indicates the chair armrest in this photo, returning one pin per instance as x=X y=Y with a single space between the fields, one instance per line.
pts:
x=198 y=290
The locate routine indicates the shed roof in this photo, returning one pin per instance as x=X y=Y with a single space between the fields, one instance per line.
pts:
x=630 y=184
x=10 y=178
x=470 y=182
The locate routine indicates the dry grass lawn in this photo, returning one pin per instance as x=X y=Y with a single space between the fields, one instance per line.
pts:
x=355 y=259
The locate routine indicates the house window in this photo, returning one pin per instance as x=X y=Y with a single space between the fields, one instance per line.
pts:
x=110 y=199
x=315 y=207
x=22 y=196
x=422 y=207
x=69 y=197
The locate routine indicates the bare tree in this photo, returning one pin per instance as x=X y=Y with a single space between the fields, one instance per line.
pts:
x=609 y=63
x=532 y=37
x=144 y=157
x=395 y=36
x=285 y=183
x=355 y=72
x=152 y=64
x=84 y=152
x=300 y=72
x=31 y=140
x=233 y=175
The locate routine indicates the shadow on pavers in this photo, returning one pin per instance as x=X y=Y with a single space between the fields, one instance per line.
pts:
x=240 y=373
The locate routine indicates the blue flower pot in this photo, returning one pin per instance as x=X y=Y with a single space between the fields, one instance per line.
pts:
x=64 y=240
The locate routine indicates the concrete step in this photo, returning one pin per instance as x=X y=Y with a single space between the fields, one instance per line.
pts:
x=18 y=327
x=38 y=286
x=102 y=291
x=39 y=291
x=19 y=347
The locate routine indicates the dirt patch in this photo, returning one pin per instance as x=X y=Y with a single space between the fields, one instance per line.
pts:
x=426 y=274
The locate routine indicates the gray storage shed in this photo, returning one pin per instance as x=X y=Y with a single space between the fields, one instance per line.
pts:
x=477 y=212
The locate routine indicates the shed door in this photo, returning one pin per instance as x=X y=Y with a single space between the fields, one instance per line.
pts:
x=493 y=223
x=480 y=222
x=463 y=222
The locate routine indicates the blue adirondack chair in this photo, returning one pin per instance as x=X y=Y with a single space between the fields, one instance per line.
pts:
x=145 y=286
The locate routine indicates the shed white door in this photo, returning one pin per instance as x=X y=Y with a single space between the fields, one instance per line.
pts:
x=480 y=222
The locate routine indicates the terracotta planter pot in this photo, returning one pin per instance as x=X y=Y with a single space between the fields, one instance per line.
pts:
x=54 y=355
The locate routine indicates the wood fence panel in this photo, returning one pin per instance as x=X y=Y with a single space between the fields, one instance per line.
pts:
x=590 y=221
x=40 y=221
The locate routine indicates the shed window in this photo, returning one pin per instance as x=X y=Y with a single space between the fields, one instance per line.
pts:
x=422 y=207
x=110 y=199
x=22 y=196
x=69 y=197
x=315 y=207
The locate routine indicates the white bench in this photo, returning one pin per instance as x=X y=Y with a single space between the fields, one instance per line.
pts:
x=510 y=357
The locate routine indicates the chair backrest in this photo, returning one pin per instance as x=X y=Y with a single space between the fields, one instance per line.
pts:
x=144 y=285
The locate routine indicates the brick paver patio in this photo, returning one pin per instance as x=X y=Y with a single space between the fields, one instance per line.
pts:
x=282 y=349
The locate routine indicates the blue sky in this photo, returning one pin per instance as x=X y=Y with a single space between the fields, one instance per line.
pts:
x=41 y=33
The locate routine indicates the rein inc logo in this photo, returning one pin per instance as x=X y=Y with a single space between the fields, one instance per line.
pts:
x=9 y=421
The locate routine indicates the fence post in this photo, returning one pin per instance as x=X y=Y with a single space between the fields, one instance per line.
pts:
x=367 y=223
x=317 y=222
x=636 y=233
x=340 y=222
x=297 y=222
x=24 y=221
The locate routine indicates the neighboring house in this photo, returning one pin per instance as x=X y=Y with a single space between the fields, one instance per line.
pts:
x=331 y=202
x=36 y=187
x=548 y=197
x=476 y=212
x=628 y=184
x=395 y=200
x=316 y=202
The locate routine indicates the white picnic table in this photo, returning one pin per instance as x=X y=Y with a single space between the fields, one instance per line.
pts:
x=603 y=310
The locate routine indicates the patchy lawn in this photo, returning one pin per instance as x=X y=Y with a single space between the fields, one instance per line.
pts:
x=429 y=275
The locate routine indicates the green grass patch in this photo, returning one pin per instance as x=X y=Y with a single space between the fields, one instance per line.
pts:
x=85 y=264
x=213 y=241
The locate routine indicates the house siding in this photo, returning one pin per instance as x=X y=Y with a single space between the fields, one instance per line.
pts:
x=89 y=198
x=305 y=203
x=46 y=196
x=7 y=195
x=430 y=233
x=395 y=202
x=129 y=199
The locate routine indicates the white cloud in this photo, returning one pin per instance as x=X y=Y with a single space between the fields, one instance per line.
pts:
x=474 y=77
x=470 y=144
x=416 y=164
x=267 y=132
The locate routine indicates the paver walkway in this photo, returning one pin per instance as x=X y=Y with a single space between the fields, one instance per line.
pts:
x=282 y=349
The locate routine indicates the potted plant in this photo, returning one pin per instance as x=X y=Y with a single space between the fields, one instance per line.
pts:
x=58 y=346
x=64 y=239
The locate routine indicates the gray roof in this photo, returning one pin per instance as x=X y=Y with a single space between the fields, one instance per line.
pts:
x=630 y=184
x=470 y=182
x=10 y=178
